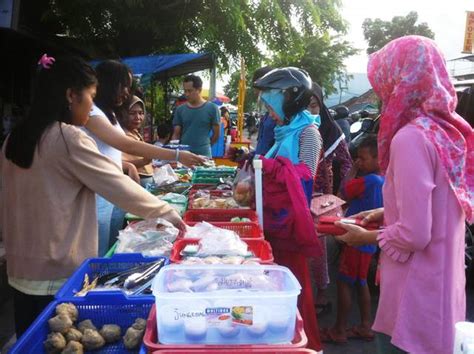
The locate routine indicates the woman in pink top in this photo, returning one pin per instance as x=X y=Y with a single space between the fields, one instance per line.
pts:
x=426 y=151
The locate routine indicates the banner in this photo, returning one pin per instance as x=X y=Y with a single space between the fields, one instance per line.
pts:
x=469 y=32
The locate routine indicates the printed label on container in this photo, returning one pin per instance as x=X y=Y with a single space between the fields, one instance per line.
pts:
x=242 y=315
x=218 y=316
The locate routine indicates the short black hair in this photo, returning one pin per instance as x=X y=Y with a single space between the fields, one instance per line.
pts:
x=261 y=72
x=163 y=130
x=465 y=107
x=369 y=142
x=196 y=80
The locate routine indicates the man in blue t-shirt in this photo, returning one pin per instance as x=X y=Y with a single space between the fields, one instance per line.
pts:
x=194 y=120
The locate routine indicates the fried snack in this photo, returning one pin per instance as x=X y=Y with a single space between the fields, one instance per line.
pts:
x=54 y=343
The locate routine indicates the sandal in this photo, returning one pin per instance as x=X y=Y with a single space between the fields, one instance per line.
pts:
x=356 y=333
x=329 y=337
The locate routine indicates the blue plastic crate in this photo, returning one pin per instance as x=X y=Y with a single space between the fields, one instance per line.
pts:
x=94 y=267
x=101 y=308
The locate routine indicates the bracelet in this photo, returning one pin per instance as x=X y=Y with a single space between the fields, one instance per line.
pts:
x=177 y=155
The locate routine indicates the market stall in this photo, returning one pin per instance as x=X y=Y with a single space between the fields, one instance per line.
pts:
x=212 y=289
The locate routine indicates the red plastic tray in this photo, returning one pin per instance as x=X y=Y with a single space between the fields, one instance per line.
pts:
x=260 y=248
x=241 y=351
x=150 y=339
x=222 y=215
x=246 y=230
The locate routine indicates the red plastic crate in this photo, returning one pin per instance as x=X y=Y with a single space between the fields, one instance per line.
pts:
x=260 y=248
x=221 y=215
x=246 y=230
x=150 y=339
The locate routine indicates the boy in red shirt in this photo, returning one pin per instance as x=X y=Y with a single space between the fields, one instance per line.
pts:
x=362 y=193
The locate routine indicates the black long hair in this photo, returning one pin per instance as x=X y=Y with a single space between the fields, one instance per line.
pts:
x=113 y=76
x=49 y=106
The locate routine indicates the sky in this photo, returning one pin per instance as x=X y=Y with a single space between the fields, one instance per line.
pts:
x=445 y=18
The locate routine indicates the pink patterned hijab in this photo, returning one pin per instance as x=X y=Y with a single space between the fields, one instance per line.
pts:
x=409 y=75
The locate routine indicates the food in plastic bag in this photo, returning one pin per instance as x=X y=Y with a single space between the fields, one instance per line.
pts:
x=150 y=237
x=164 y=175
x=244 y=187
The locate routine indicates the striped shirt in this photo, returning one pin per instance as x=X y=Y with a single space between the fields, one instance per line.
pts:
x=311 y=145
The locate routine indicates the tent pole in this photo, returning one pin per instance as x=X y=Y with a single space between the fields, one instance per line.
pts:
x=212 y=84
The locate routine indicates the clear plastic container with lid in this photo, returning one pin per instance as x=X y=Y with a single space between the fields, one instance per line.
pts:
x=225 y=304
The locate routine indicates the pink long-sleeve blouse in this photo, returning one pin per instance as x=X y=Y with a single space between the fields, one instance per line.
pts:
x=422 y=292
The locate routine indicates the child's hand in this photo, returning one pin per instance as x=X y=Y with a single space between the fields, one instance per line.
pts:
x=356 y=235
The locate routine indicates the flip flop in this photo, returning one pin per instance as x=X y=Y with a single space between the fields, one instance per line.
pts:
x=328 y=337
x=356 y=333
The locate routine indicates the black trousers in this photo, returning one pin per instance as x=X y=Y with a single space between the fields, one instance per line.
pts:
x=27 y=308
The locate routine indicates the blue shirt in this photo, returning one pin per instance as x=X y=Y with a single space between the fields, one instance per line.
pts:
x=266 y=136
x=196 y=123
x=364 y=193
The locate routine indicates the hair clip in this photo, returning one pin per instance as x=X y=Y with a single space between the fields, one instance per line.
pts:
x=46 y=61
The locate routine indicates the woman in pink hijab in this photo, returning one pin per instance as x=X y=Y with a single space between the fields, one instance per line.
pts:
x=426 y=152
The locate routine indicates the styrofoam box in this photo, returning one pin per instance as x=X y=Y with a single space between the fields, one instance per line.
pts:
x=225 y=304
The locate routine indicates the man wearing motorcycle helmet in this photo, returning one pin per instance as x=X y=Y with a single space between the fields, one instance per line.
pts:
x=286 y=94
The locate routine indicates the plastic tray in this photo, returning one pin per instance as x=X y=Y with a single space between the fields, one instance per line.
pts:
x=151 y=334
x=241 y=351
x=246 y=230
x=101 y=266
x=101 y=308
x=260 y=249
x=220 y=215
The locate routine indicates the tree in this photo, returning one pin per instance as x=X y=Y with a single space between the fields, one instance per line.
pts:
x=378 y=33
x=322 y=56
x=229 y=29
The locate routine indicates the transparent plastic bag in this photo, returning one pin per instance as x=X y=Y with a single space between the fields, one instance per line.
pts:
x=244 y=186
x=150 y=237
x=164 y=175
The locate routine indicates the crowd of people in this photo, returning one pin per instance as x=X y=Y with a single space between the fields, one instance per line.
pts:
x=77 y=162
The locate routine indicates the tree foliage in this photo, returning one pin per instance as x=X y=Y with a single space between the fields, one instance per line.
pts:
x=378 y=32
x=229 y=29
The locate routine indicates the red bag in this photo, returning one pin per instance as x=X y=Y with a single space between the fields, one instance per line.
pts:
x=287 y=219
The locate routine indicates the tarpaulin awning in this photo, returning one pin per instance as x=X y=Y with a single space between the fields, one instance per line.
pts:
x=165 y=66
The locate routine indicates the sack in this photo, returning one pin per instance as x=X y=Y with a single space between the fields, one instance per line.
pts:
x=327 y=205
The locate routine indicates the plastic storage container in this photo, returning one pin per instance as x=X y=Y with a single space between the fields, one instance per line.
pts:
x=219 y=304
x=246 y=230
x=220 y=215
x=260 y=249
x=94 y=267
x=101 y=308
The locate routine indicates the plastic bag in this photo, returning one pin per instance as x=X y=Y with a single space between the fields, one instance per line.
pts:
x=164 y=175
x=244 y=187
x=215 y=241
x=151 y=237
